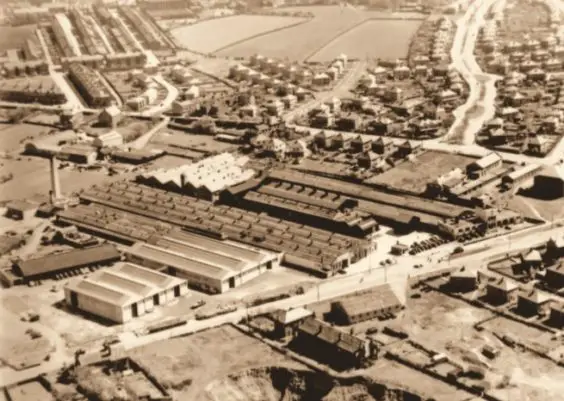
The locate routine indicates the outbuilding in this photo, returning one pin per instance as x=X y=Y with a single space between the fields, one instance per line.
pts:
x=21 y=210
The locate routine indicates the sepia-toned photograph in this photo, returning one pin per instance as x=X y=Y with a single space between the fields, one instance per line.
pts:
x=282 y=200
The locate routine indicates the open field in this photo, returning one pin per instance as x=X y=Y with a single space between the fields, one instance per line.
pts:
x=359 y=42
x=414 y=175
x=205 y=357
x=212 y=35
x=301 y=41
x=12 y=37
x=34 y=172
x=183 y=140
x=324 y=32
x=13 y=136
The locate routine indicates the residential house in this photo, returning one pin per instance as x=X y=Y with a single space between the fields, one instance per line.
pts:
x=383 y=146
x=110 y=117
x=275 y=107
x=554 y=277
x=361 y=143
x=342 y=142
x=321 y=79
x=286 y=322
x=402 y=72
x=405 y=148
x=298 y=148
x=323 y=119
x=369 y=159
x=330 y=345
x=348 y=123
x=463 y=280
x=532 y=303
x=538 y=145
x=502 y=291
x=324 y=140
x=557 y=315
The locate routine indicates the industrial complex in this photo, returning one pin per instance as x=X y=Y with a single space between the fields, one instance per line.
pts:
x=282 y=200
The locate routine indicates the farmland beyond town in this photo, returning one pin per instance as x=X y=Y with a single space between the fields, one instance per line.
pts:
x=214 y=34
x=330 y=32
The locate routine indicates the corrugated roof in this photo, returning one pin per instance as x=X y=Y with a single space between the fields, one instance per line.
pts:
x=123 y=284
x=382 y=297
x=76 y=258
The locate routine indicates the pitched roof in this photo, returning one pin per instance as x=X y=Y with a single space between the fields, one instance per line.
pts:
x=67 y=260
x=292 y=315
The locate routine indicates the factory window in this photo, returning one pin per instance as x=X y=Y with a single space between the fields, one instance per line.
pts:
x=232 y=282
x=177 y=291
x=269 y=265
x=156 y=299
x=134 y=311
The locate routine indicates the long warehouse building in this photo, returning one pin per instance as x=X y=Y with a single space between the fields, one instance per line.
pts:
x=123 y=292
x=210 y=265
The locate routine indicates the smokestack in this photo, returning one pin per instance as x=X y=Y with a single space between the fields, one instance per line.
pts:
x=55 y=185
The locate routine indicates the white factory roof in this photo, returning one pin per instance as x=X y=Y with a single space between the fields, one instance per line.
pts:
x=123 y=284
x=200 y=255
x=214 y=173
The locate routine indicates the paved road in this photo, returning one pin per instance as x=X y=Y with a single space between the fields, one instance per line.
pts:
x=172 y=94
x=463 y=60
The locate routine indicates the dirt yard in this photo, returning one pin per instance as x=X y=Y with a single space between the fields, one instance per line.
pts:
x=192 y=365
x=445 y=324
x=13 y=136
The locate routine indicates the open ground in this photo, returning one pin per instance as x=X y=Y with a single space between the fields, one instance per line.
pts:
x=413 y=176
x=359 y=42
x=324 y=31
x=214 y=34
x=12 y=37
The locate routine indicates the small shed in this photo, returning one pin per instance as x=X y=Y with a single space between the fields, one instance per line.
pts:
x=21 y=210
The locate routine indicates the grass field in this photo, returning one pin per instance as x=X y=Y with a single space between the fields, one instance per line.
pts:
x=321 y=35
x=212 y=35
x=414 y=176
x=301 y=41
x=362 y=41
x=12 y=37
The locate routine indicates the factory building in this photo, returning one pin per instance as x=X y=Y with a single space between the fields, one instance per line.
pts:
x=62 y=29
x=369 y=305
x=210 y=265
x=123 y=292
x=62 y=263
x=205 y=179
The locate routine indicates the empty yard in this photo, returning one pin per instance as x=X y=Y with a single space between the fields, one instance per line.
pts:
x=363 y=41
x=413 y=176
x=212 y=35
